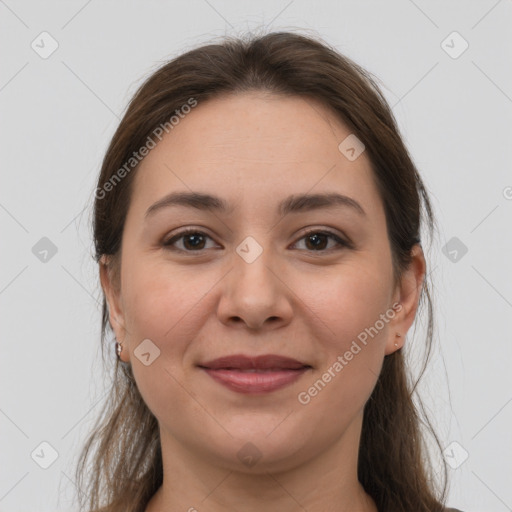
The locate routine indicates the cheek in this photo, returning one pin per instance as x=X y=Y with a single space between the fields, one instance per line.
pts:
x=353 y=345
x=163 y=308
x=347 y=301
x=160 y=301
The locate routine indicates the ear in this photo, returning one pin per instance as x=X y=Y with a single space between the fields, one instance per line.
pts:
x=408 y=295
x=112 y=290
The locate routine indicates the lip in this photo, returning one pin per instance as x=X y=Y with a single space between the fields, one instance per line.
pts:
x=258 y=381
x=255 y=375
x=264 y=362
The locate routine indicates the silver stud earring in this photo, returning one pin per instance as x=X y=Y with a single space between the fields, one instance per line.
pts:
x=119 y=349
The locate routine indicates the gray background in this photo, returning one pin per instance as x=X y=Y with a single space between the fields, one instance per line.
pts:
x=58 y=114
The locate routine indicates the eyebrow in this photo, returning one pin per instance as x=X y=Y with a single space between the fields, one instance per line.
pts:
x=292 y=204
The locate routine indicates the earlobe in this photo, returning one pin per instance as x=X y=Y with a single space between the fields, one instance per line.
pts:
x=395 y=342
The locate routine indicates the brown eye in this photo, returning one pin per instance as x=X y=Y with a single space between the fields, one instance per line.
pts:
x=193 y=240
x=318 y=241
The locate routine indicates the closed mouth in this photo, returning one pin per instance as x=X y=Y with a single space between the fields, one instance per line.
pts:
x=264 y=363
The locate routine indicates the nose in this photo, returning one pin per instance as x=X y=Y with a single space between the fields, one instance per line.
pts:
x=255 y=293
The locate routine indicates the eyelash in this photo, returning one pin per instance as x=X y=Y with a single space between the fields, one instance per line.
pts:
x=341 y=243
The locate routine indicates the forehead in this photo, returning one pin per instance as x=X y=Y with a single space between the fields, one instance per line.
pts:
x=254 y=125
x=258 y=145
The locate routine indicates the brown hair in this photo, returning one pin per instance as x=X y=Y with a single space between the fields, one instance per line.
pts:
x=393 y=467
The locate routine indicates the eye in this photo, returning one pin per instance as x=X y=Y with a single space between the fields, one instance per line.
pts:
x=316 y=240
x=193 y=240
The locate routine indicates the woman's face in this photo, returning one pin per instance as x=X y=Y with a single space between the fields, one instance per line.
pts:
x=252 y=282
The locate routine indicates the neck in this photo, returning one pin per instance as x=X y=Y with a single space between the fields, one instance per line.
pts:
x=326 y=483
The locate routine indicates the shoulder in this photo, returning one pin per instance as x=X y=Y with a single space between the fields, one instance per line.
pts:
x=452 y=510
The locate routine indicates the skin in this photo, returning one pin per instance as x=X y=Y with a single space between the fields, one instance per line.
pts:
x=253 y=150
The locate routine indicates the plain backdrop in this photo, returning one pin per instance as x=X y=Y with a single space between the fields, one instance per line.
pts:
x=68 y=70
